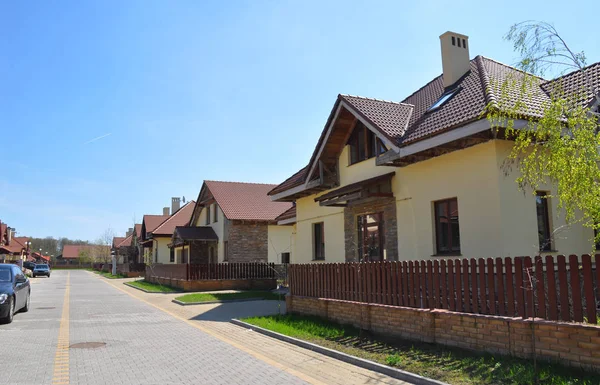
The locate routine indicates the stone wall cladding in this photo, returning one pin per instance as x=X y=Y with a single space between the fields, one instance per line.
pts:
x=385 y=205
x=570 y=344
x=248 y=242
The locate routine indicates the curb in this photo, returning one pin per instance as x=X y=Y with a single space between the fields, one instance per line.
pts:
x=360 y=362
x=150 y=292
x=213 y=302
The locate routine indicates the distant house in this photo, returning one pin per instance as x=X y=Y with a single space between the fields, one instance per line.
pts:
x=161 y=235
x=86 y=253
x=233 y=222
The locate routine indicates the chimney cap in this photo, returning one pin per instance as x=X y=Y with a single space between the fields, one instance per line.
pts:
x=454 y=34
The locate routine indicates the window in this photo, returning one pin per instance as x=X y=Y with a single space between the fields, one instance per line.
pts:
x=172 y=255
x=370 y=237
x=208 y=215
x=184 y=255
x=285 y=257
x=447 y=235
x=364 y=144
x=318 y=241
x=443 y=99
x=225 y=251
x=543 y=221
x=215 y=217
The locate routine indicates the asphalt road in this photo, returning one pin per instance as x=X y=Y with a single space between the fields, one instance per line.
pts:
x=80 y=330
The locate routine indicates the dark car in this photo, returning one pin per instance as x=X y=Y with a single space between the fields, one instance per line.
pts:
x=41 y=270
x=14 y=291
x=29 y=265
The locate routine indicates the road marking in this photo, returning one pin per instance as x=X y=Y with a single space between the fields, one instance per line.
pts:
x=61 y=358
x=253 y=353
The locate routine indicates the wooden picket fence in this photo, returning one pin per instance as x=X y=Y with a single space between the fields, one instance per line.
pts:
x=254 y=270
x=548 y=288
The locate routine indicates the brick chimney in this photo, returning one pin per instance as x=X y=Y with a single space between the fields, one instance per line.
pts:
x=175 y=204
x=166 y=211
x=455 y=56
x=129 y=231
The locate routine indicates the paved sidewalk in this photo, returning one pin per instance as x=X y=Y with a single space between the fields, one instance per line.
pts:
x=214 y=319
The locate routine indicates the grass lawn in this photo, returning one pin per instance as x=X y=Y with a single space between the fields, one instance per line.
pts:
x=209 y=297
x=153 y=287
x=446 y=364
x=111 y=276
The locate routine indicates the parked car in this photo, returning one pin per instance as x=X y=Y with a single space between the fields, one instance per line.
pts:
x=15 y=291
x=41 y=269
x=29 y=265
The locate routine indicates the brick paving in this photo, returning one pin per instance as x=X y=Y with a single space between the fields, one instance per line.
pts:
x=150 y=340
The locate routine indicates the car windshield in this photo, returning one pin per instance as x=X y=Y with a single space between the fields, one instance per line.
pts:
x=41 y=267
x=4 y=274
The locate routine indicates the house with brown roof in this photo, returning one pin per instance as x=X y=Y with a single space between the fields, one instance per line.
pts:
x=234 y=222
x=425 y=177
x=162 y=234
x=86 y=253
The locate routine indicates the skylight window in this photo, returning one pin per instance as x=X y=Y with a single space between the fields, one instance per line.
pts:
x=443 y=99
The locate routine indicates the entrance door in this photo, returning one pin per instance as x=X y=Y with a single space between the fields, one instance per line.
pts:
x=212 y=257
x=371 y=232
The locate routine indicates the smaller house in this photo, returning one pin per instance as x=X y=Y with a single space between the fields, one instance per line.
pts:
x=85 y=253
x=234 y=222
x=162 y=234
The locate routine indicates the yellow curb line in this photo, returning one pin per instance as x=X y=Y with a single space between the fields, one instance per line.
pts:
x=61 y=357
x=253 y=353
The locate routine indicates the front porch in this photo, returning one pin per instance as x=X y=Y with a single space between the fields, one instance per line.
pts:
x=194 y=245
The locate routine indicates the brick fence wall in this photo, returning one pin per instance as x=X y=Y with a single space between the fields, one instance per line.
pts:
x=571 y=344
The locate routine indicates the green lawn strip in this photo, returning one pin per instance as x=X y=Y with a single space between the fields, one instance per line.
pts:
x=153 y=287
x=454 y=366
x=211 y=297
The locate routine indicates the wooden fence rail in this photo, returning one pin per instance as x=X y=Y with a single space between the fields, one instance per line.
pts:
x=545 y=287
x=232 y=271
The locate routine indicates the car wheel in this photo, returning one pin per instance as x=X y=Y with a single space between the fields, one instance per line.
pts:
x=26 y=307
x=11 y=312
x=34 y=276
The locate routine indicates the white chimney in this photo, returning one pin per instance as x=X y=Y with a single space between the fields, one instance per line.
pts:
x=455 y=56
x=10 y=234
x=165 y=211
x=175 y=204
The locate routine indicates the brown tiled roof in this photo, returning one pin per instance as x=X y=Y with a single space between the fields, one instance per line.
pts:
x=478 y=87
x=138 y=230
x=575 y=83
x=16 y=245
x=246 y=201
x=126 y=241
x=180 y=218
x=117 y=241
x=72 y=251
x=391 y=117
x=295 y=180
x=288 y=214
x=153 y=221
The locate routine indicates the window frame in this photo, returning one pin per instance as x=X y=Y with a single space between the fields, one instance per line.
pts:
x=225 y=251
x=372 y=145
x=318 y=251
x=543 y=195
x=207 y=219
x=438 y=239
x=288 y=256
x=215 y=214
x=172 y=255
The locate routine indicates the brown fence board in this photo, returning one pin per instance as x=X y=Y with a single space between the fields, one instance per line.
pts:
x=540 y=288
x=430 y=300
x=563 y=288
x=444 y=283
x=491 y=286
x=466 y=292
x=423 y=295
x=551 y=283
x=436 y=285
x=458 y=286
x=474 y=296
x=529 y=292
x=451 y=294
x=588 y=288
x=405 y=284
x=417 y=285
x=519 y=296
x=482 y=289
x=501 y=290
x=510 y=287
x=575 y=288
x=394 y=283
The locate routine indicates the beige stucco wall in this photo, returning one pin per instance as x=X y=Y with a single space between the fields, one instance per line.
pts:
x=496 y=218
x=163 y=253
x=280 y=241
x=218 y=227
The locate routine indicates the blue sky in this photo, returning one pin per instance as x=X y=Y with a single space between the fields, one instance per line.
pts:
x=182 y=91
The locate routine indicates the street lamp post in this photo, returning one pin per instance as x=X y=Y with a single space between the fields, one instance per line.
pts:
x=114 y=262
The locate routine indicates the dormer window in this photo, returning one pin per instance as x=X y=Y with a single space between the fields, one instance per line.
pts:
x=364 y=144
x=443 y=99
